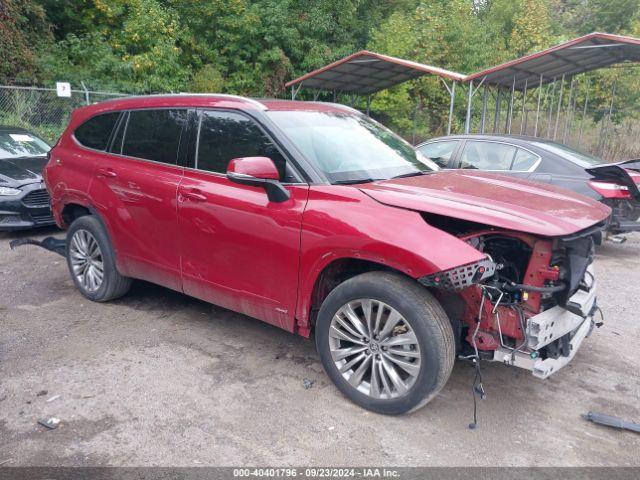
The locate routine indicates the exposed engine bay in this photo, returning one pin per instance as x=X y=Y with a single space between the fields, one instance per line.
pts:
x=530 y=303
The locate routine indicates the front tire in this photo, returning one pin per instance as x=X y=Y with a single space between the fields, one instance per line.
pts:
x=91 y=261
x=385 y=342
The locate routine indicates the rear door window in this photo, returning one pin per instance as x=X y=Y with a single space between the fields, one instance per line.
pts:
x=154 y=134
x=95 y=132
x=483 y=155
x=440 y=152
x=228 y=135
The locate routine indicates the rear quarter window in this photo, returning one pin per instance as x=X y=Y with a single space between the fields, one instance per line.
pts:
x=440 y=152
x=95 y=132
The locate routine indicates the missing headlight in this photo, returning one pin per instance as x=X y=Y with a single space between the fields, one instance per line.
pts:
x=461 y=277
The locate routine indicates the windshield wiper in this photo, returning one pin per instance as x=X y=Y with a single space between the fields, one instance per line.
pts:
x=355 y=181
x=411 y=174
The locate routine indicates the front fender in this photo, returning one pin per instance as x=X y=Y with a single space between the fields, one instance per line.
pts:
x=342 y=222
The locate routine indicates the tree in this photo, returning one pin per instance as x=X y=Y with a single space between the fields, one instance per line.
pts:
x=23 y=27
x=448 y=34
x=586 y=16
x=531 y=28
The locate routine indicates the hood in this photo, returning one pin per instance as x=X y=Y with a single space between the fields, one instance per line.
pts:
x=494 y=200
x=15 y=172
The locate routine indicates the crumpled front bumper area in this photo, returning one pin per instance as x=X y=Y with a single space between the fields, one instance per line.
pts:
x=568 y=326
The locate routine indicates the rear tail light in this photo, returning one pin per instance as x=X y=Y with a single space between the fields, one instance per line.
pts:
x=610 y=190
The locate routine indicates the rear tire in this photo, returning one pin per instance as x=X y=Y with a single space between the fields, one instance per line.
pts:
x=91 y=261
x=385 y=342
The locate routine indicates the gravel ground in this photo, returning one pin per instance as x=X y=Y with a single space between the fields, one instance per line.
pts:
x=158 y=378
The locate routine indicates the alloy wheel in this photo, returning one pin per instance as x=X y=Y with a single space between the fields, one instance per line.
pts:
x=374 y=348
x=86 y=260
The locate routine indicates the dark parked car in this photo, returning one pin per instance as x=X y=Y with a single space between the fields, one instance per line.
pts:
x=310 y=216
x=24 y=201
x=540 y=160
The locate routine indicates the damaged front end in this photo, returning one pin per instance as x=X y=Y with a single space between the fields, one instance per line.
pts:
x=530 y=303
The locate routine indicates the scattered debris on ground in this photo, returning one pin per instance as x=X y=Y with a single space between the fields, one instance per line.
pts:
x=308 y=383
x=55 y=397
x=51 y=422
x=610 y=421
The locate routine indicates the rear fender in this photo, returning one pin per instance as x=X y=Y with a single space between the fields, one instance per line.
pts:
x=81 y=199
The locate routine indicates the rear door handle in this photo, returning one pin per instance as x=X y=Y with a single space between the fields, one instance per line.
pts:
x=107 y=172
x=194 y=194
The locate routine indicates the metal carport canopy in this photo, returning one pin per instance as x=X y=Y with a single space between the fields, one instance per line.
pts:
x=365 y=72
x=582 y=54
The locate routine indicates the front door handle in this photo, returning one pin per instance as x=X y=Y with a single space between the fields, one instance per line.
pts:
x=194 y=194
x=106 y=172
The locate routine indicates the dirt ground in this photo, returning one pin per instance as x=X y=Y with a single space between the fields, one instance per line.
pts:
x=158 y=378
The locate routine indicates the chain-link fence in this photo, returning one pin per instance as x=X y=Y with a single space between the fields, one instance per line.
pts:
x=613 y=134
x=41 y=110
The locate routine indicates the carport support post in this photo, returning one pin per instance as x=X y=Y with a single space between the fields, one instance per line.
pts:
x=294 y=91
x=483 y=118
x=555 y=130
x=569 y=113
x=553 y=93
x=467 y=123
x=584 y=112
x=535 y=129
x=524 y=101
x=452 y=98
x=608 y=121
x=496 y=118
x=510 y=115
x=415 y=118
x=368 y=103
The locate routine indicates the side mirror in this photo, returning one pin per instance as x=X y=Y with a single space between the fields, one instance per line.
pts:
x=258 y=172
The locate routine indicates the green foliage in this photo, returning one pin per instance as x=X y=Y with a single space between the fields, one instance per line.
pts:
x=22 y=27
x=253 y=47
x=449 y=34
x=531 y=27
x=586 y=16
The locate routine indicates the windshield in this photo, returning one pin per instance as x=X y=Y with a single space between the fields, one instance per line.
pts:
x=579 y=158
x=21 y=144
x=351 y=148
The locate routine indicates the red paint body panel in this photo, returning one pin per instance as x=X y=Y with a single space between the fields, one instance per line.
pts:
x=494 y=200
x=69 y=174
x=239 y=250
x=139 y=207
x=342 y=222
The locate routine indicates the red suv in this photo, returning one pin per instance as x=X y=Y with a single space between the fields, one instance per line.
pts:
x=311 y=216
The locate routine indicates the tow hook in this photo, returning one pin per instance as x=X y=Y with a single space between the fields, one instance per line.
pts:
x=56 y=245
